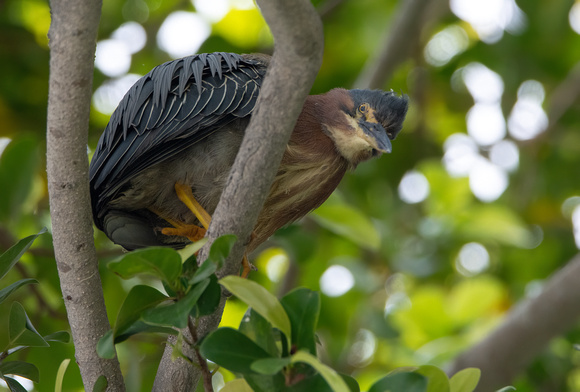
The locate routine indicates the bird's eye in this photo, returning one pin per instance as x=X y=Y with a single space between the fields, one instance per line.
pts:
x=363 y=107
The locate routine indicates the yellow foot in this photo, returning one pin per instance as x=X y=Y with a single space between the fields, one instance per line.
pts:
x=195 y=233
x=192 y=232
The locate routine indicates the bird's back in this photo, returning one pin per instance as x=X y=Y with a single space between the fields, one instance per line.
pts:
x=168 y=110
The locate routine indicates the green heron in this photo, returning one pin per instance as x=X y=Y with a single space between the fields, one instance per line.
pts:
x=165 y=156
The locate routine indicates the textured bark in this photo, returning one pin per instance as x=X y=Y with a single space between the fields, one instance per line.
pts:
x=298 y=37
x=72 y=36
x=409 y=22
x=526 y=331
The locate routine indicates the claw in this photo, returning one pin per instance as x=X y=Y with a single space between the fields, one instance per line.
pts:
x=192 y=232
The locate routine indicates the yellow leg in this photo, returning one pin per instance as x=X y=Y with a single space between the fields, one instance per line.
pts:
x=185 y=194
x=193 y=232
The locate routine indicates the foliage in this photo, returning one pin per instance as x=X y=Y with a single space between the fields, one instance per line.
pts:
x=193 y=292
x=274 y=358
x=21 y=330
x=412 y=302
x=274 y=347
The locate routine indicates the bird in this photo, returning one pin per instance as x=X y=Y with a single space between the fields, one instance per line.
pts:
x=162 y=161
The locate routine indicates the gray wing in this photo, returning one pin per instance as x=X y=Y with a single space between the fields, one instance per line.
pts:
x=169 y=109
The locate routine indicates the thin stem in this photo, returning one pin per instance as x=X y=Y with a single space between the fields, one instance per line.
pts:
x=205 y=373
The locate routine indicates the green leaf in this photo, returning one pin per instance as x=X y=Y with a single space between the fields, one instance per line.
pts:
x=176 y=314
x=507 y=389
x=190 y=250
x=189 y=267
x=209 y=300
x=312 y=383
x=351 y=382
x=261 y=301
x=139 y=299
x=60 y=336
x=60 y=375
x=18 y=167
x=401 y=381
x=221 y=248
x=347 y=221
x=437 y=379
x=101 y=384
x=237 y=385
x=207 y=269
x=106 y=345
x=14 y=385
x=269 y=366
x=260 y=331
x=262 y=383
x=232 y=350
x=164 y=263
x=465 y=380
x=22 y=332
x=139 y=327
x=318 y=383
x=19 y=368
x=5 y=292
x=330 y=376
x=12 y=255
x=303 y=307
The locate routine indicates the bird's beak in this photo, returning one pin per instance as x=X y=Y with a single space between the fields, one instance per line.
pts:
x=377 y=136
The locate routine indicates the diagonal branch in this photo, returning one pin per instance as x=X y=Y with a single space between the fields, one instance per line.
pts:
x=564 y=96
x=298 y=37
x=72 y=34
x=411 y=19
x=526 y=330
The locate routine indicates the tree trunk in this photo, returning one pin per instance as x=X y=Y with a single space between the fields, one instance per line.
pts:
x=72 y=34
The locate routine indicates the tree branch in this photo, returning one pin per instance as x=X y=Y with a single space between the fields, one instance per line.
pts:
x=564 y=96
x=72 y=36
x=526 y=330
x=298 y=37
x=412 y=18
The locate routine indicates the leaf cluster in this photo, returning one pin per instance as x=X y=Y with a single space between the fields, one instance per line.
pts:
x=22 y=333
x=190 y=291
x=274 y=349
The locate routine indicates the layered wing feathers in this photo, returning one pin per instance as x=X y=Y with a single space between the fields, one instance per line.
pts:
x=168 y=110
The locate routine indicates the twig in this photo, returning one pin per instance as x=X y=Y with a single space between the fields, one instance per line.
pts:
x=328 y=7
x=42 y=304
x=564 y=96
x=205 y=373
x=409 y=22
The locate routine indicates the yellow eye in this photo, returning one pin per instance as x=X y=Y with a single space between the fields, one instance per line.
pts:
x=363 y=107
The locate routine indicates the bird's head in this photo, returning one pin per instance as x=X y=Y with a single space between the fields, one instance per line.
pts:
x=362 y=123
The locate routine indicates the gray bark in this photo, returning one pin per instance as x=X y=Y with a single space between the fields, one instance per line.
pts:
x=298 y=37
x=72 y=36
x=526 y=331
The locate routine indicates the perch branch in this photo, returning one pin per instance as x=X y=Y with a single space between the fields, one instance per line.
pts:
x=298 y=38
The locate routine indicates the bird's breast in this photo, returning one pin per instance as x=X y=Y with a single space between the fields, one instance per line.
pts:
x=303 y=182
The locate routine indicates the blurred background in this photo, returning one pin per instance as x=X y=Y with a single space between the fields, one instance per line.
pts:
x=418 y=254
